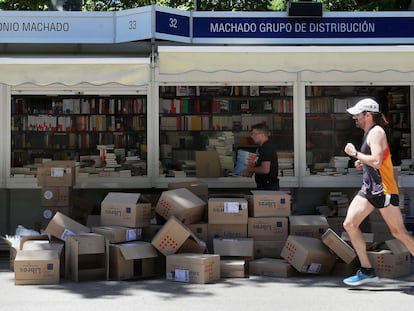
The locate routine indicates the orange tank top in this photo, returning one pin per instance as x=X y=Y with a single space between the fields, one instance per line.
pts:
x=387 y=173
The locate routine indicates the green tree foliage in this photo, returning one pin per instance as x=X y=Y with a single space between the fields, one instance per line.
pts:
x=24 y=5
x=234 y=5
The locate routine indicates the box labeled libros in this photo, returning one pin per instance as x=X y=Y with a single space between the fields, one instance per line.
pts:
x=313 y=226
x=193 y=268
x=118 y=234
x=341 y=248
x=62 y=226
x=181 y=203
x=265 y=203
x=175 y=236
x=308 y=255
x=227 y=211
x=36 y=267
x=268 y=228
x=123 y=209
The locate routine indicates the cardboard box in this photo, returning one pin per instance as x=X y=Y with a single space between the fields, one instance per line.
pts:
x=227 y=211
x=268 y=228
x=87 y=257
x=193 y=268
x=148 y=233
x=36 y=267
x=55 y=196
x=131 y=260
x=181 y=203
x=339 y=246
x=200 y=230
x=232 y=268
x=312 y=226
x=173 y=236
x=118 y=234
x=265 y=203
x=271 y=267
x=123 y=209
x=197 y=187
x=208 y=164
x=225 y=231
x=389 y=265
x=15 y=244
x=308 y=255
x=61 y=226
x=268 y=249
x=58 y=246
x=57 y=174
x=242 y=247
x=392 y=263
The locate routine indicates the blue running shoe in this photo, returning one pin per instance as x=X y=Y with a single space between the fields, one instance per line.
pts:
x=360 y=278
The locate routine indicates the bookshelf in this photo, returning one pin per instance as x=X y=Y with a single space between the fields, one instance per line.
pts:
x=78 y=128
x=220 y=118
x=329 y=126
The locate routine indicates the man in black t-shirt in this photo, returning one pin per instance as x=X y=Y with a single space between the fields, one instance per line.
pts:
x=266 y=169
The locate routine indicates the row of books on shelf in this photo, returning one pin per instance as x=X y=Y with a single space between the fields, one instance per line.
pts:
x=235 y=90
x=76 y=141
x=80 y=106
x=205 y=123
x=199 y=106
x=79 y=123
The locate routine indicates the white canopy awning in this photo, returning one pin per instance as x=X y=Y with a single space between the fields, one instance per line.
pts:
x=284 y=63
x=72 y=71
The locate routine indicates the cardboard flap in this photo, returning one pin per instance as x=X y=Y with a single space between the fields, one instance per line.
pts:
x=121 y=197
x=43 y=245
x=137 y=250
x=396 y=246
x=24 y=239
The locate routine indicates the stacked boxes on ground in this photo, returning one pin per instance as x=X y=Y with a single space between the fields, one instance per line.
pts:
x=227 y=232
x=196 y=239
x=185 y=257
x=268 y=223
x=268 y=226
x=123 y=217
x=56 y=179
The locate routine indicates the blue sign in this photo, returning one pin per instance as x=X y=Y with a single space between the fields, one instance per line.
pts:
x=206 y=27
x=172 y=24
x=365 y=29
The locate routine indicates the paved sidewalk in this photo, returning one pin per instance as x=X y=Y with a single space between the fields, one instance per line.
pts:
x=306 y=292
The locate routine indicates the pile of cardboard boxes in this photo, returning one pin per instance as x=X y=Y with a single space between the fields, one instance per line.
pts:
x=56 y=179
x=196 y=237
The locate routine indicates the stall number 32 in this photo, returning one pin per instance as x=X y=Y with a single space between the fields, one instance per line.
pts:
x=173 y=22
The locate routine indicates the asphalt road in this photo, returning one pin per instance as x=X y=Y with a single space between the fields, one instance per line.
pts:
x=303 y=292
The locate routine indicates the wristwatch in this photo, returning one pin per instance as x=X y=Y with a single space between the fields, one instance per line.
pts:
x=354 y=154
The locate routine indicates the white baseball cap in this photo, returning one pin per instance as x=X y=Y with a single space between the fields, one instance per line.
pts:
x=366 y=104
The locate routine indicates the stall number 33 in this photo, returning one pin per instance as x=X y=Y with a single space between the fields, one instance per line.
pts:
x=132 y=25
